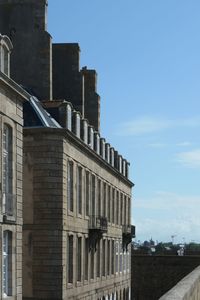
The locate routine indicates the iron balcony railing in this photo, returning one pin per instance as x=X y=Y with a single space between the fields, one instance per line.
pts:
x=98 y=223
x=128 y=230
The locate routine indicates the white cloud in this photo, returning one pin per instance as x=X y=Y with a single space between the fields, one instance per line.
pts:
x=190 y=158
x=182 y=228
x=148 y=124
x=167 y=214
x=167 y=201
x=157 y=145
x=183 y=144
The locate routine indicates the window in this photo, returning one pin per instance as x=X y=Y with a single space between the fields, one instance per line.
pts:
x=117 y=207
x=104 y=199
x=99 y=197
x=108 y=258
x=92 y=264
x=113 y=205
x=108 y=204
x=86 y=258
x=127 y=261
x=98 y=258
x=79 y=190
x=129 y=210
x=70 y=186
x=7 y=170
x=117 y=257
x=121 y=210
x=70 y=259
x=4 y=57
x=124 y=261
x=125 y=199
x=103 y=257
x=7 y=263
x=112 y=256
x=93 y=196
x=120 y=257
x=87 y=192
x=79 y=258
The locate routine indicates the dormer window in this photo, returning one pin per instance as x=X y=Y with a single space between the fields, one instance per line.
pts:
x=5 y=50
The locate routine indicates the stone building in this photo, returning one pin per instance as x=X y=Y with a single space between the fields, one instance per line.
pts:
x=12 y=97
x=77 y=192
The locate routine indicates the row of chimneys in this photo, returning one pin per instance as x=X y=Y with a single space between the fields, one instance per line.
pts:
x=47 y=70
x=73 y=121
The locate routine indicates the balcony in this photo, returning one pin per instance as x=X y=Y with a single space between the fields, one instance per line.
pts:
x=97 y=226
x=186 y=289
x=128 y=233
x=128 y=230
x=98 y=223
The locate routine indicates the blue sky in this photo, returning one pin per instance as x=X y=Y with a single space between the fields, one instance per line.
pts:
x=147 y=55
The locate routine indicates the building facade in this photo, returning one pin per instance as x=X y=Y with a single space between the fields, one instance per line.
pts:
x=76 y=218
x=76 y=192
x=12 y=97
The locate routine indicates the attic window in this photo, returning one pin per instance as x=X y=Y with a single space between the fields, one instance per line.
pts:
x=5 y=49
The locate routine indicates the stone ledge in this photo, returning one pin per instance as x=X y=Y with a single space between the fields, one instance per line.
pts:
x=187 y=289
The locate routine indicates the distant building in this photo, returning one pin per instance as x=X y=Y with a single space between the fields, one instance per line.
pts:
x=77 y=193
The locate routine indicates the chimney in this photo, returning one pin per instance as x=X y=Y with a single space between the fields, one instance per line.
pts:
x=91 y=98
x=25 y=22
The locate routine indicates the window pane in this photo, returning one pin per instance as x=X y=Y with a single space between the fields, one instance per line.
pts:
x=93 y=196
x=87 y=192
x=7 y=263
x=108 y=204
x=70 y=186
x=70 y=259
x=7 y=170
x=86 y=258
x=103 y=257
x=79 y=258
x=79 y=189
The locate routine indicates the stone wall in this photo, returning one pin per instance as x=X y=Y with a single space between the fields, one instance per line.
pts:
x=187 y=289
x=153 y=276
x=11 y=115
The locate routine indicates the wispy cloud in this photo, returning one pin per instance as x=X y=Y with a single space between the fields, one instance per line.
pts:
x=157 y=145
x=167 y=201
x=189 y=159
x=166 y=214
x=149 y=124
x=184 y=144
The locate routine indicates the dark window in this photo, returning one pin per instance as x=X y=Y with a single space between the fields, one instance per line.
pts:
x=70 y=259
x=79 y=258
x=117 y=207
x=70 y=186
x=112 y=257
x=108 y=204
x=103 y=257
x=108 y=258
x=86 y=258
x=79 y=189
x=98 y=258
x=92 y=264
x=113 y=205
x=87 y=192
x=7 y=170
x=104 y=199
x=99 y=197
x=93 y=196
